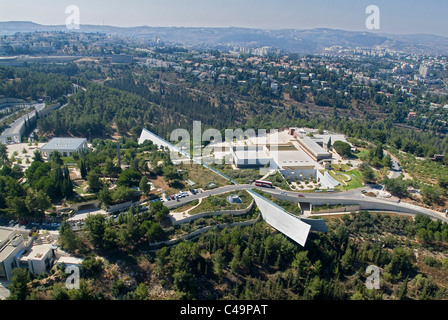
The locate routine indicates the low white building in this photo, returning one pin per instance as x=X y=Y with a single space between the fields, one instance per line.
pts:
x=66 y=146
x=38 y=259
x=12 y=244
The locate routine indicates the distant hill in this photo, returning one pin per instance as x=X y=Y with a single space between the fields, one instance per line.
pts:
x=300 y=41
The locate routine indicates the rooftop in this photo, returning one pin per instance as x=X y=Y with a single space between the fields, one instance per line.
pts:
x=37 y=252
x=64 y=143
x=312 y=145
x=5 y=234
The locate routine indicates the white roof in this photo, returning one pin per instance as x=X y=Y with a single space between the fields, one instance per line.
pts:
x=64 y=144
x=69 y=260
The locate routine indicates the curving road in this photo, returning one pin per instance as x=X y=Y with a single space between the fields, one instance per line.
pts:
x=346 y=197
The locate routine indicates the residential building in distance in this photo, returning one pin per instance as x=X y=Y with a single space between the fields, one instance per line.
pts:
x=424 y=70
x=66 y=146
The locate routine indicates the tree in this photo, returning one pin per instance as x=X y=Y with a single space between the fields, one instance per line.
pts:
x=301 y=263
x=4 y=155
x=129 y=178
x=123 y=194
x=400 y=262
x=442 y=181
x=162 y=213
x=59 y=292
x=218 y=263
x=110 y=237
x=17 y=206
x=342 y=148
x=18 y=288
x=83 y=293
x=94 y=181
x=368 y=175
x=387 y=161
x=37 y=202
x=37 y=157
x=184 y=284
x=141 y=292
x=144 y=186
x=68 y=239
x=130 y=232
x=56 y=157
x=105 y=196
x=431 y=194
x=95 y=226
x=395 y=186
x=170 y=173
x=236 y=260
x=83 y=168
x=155 y=232
x=402 y=292
x=329 y=145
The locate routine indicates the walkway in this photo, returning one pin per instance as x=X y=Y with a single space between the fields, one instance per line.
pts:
x=184 y=214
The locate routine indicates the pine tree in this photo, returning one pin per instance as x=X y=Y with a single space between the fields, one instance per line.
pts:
x=83 y=169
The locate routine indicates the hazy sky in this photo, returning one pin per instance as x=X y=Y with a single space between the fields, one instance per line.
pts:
x=397 y=16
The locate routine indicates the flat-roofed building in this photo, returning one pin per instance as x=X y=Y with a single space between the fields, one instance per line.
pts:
x=38 y=259
x=66 y=146
x=313 y=148
x=12 y=244
x=251 y=156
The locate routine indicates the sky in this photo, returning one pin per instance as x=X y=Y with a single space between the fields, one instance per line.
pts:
x=396 y=16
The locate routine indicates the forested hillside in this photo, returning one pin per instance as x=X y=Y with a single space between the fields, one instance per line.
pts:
x=257 y=262
x=31 y=85
x=93 y=113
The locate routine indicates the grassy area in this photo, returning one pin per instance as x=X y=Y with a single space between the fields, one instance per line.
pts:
x=187 y=206
x=339 y=177
x=278 y=181
x=220 y=203
x=341 y=167
x=354 y=183
x=361 y=153
x=328 y=207
x=241 y=176
x=202 y=176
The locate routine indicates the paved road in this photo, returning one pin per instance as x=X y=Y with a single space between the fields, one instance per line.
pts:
x=395 y=170
x=354 y=195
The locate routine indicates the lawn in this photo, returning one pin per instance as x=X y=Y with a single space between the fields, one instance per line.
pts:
x=361 y=153
x=220 y=203
x=354 y=183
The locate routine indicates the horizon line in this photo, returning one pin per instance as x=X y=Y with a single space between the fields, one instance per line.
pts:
x=379 y=33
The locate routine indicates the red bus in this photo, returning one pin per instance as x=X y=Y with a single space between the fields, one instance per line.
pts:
x=266 y=184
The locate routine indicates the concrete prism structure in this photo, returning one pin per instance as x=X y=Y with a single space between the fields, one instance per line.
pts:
x=280 y=219
x=158 y=141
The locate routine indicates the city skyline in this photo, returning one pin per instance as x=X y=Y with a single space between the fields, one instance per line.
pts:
x=399 y=17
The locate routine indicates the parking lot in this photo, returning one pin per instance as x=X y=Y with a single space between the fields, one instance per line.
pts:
x=179 y=195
